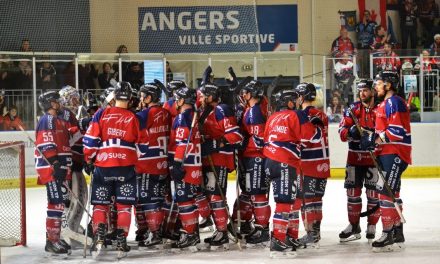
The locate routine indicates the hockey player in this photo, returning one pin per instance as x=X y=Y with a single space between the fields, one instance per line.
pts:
x=255 y=186
x=360 y=170
x=315 y=166
x=53 y=160
x=170 y=104
x=187 y=167
x=110 y=149
x=284 y=132
x=221 y=133
x=392 y=140
x=152 y=166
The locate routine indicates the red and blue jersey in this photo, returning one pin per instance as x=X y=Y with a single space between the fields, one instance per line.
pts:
x=52 y=140
x=155 y=131
x=253 y=124
x=315 y=159
x=193 y=160
x=366 y=117
x=392 y=118
x=112 y=137
x=284 y=132
x=170 y=106
x=221 y=124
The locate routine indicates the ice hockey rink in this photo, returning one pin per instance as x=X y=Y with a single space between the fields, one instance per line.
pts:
x=422 y=233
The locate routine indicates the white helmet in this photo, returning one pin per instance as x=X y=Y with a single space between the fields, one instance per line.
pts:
x=69 y=97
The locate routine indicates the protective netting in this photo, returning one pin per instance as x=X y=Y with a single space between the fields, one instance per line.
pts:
x=11 y=222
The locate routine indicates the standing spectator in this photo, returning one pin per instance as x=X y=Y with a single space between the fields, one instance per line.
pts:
x=47 y=76
x=135 y=75
x=434 y=49
x=335 y=110
x=380 y=37
x=342 y=44
x=124 y=67
x=365 y=30
x=389 y=61
x=169 y=72
x=408 y=23
x=106 y=77
x=11 y=121
x=428 y=11
x=344 y=76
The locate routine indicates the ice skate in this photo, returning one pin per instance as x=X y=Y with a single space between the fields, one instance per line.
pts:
x=399 y=238
x=279 y=249
x=384 y=243
x=371 y=233
x=206 y=225
x=258 y=237
x=186 y=241
x=56 y=250
x=152 y=240
x=98 y=241
x=311 y=239
x=293 y=242
x=217 y=240
x=350 y=233
x=122 y=246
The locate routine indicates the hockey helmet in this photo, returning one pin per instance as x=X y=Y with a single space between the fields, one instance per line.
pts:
x=45 y=99
x=123 y=91
x=308 y=90
x=365 y=83
x=186 y=93
x=173 y=86
x=107 y=95
x=69 y=97
x=255 y=88
x=211 y=89
x=389 y=77
x=282 y=98
x=153 y=90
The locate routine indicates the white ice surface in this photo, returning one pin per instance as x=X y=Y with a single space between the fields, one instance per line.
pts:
x=421 y=209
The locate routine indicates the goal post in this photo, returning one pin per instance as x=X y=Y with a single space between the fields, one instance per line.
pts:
x=12 y=194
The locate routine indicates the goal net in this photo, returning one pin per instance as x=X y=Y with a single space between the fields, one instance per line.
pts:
x=12 y=194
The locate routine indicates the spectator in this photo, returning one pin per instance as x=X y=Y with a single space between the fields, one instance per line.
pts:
x=389 y=61
x=335 y=110
x=408 y=23
x=342 y=44
x=429 y=64
x=25 y=46
x=428 y=11
x=169 y=72
x=106 y=78
x=47 y=77
x=11 y=121
x=380 y=38
x=124 y=67
x=344 y=76
x=135 y=75
x=434 y=49
x=436 y=102
x=2 y=104
x=5 y=72
x=365 y=30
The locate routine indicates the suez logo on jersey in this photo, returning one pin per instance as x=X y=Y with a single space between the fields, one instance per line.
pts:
x=103 y=156
x=217 y=28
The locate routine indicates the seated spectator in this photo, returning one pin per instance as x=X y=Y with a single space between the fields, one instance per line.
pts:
x=135 y=75
x=380 y=37
x=11 y=121
x=389 y=61
x=106 y=77
x=428 y=62
x=25 y=45
x=344 y=76
x=342 y=44
x=335 y=110
x=47 y=76
x=434 y=49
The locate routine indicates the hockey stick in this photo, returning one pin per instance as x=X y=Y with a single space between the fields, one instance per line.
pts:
x=173 y=195
x=88 y=216
x=45 y=159
x=379 y=169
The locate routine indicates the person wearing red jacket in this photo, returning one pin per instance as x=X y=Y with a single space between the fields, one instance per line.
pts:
x=391 y=141
x=187 y=167
x=283 y=135
x=315 y=166
x=11 y=121
x=53 y=160
x=221 y=134
x=360 y=170
x=110 y=151
x=152 y=165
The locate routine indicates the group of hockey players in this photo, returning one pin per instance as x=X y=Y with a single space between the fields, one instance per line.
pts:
x=170 y=162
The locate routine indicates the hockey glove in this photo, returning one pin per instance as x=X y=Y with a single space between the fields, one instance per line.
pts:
x=354 y=133
x=209 y=146
x=83 y=124
x=316 y=121
x=178 y=172
x=368 y=141
x=59 y=174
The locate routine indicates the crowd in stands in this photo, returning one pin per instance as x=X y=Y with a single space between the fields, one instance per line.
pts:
x=375 y=39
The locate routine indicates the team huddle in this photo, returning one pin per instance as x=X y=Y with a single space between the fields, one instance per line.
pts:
x=170 y=162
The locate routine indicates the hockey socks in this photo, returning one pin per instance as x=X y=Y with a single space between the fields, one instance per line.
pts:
x=53 y=221
x=219 y=212
x=245 y=208
x=154 y=215
x=261 y=209
x=202 y=203
x=189 y=215
x=389 y=214
x=354 y=205
x=124 y=217
x=293 y=228
x=281 y=220
x=373 y=200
